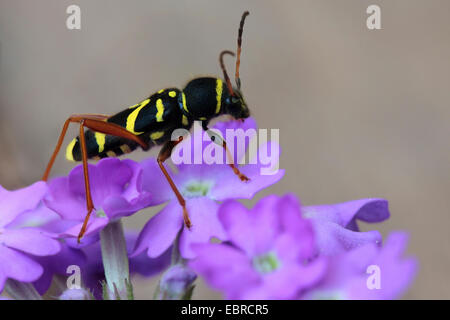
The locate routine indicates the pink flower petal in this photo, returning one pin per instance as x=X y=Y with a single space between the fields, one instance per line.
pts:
x=254 y=230
x=18 y=266
x=154 y=182
x=30 y=240
x=205 y=225
x=228 y=185
x=368 y=210
x=224 y=267
x=13 y=203
x=95 y=224
x=160 y=231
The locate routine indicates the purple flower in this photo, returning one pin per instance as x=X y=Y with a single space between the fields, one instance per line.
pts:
x=116 y=192
x=368 y=272
x=47 y=220
x=19 y=246
x=89 y=256
x=273 y=252
x=336 y=228
x=202 y=185
x=266 y=254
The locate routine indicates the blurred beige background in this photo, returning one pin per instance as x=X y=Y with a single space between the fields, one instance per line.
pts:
x=361 y=113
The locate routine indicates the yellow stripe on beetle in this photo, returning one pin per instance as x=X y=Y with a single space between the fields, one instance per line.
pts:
x=172 y=94
x=219 y=89
x=100 y=139
x=156 y=135
x=69 y=150
x=131 y=119
x=125 y=148
x=160 y=110
x=184 y=120
x=184 y=102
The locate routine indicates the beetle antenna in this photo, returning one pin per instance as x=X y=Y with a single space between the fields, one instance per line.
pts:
x=225 y=74
x=239 y=45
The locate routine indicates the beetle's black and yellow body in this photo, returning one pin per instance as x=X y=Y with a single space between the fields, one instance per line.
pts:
x=152 y=122
x=155 y=118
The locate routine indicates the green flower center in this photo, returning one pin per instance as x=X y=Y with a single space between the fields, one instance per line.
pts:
x=197 y=188
x=100 y=214
x=266 y=263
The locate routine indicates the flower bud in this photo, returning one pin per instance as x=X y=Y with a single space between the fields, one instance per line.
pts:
x=176 y=283
x=75 y=294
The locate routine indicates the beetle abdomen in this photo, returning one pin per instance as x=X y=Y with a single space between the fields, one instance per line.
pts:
x=99 y=146
x=152 y=119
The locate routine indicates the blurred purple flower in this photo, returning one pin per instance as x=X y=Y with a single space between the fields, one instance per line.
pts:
x=202 y=185
x=19 y=246
x=116 y=192
x=273 y=252
x=266 y=254
x=335 y=225
x=348 y=275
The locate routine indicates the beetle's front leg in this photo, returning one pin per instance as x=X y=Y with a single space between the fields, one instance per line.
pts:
x=217 y=139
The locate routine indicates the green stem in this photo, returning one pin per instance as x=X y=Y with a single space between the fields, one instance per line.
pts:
x=115 y=261
x=21 y=290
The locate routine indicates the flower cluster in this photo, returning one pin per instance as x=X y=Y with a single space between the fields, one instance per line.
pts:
x=21 y=246
x=279 y=249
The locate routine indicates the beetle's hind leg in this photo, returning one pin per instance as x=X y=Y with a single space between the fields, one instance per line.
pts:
x=89 y=203
x=96 y=123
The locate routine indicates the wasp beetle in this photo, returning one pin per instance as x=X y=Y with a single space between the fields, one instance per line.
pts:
x=152 y=121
